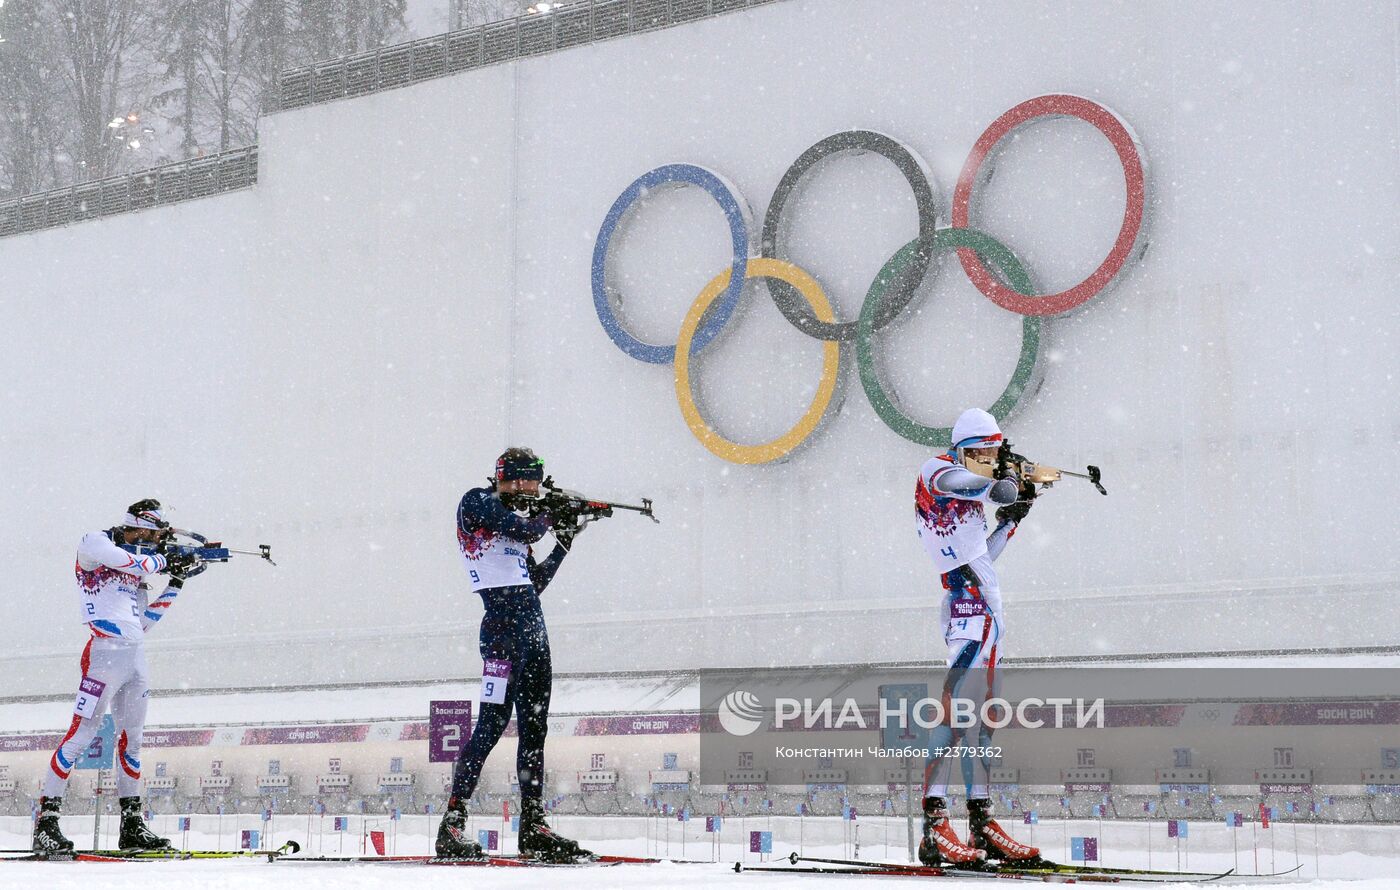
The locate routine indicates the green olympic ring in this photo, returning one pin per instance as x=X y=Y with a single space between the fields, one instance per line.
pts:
x=903 y=263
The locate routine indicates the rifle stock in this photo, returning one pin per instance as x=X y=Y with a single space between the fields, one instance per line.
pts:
x=1008 y=461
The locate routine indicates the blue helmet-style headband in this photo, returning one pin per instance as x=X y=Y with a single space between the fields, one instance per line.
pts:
x=519 y=463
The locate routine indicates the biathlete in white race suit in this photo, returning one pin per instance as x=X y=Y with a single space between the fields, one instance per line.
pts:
x=115 y=605
x=949 y=503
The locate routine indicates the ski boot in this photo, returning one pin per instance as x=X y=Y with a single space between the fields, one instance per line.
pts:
x=538 y=840
x=135 y=835
x=452 y=840
x=989 y=837
x=940 y=845
x=47 y=836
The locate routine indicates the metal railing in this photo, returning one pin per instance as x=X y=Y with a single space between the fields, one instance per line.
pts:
x=183 y=181
x=574 y=24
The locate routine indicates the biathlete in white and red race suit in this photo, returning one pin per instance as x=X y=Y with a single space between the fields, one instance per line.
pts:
x=949 y=504
x=115 y=605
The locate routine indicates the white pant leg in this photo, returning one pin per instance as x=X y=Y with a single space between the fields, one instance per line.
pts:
x=129 y=717
x=112 y=663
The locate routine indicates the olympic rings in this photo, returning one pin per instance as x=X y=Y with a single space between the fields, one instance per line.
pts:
x=1123 y=142
x=735 y=452
x=735 y=213
x=918 y=177
x=898 y=266
x=893 y=288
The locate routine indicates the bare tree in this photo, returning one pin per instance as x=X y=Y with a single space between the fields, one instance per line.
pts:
x=466 y=13
x=318 y=29
x=267 y=48
x=374 y=23
x=30 y=129
x=233 y=96
x=84 y=81
x=99 y=44
x=180 y=46
x=327 y=29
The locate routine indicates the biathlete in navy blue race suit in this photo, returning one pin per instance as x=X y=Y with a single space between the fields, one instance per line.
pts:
x=494 y=539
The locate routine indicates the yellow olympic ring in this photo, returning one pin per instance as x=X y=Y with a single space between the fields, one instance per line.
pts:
x=718 y=445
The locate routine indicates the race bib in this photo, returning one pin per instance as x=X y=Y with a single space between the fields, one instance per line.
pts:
x=494 y=678
x=89 y=695
x=966 y=618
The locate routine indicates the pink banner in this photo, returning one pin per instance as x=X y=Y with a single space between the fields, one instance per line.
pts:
x=29 y=742
x=177 y=738
x=449 y=729
x=1344 y=713
x=306 y=735
x=1094 y=787
x=642 y=724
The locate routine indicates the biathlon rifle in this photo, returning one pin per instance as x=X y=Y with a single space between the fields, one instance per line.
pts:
x=569 y=506
x=207 y=550
x=1008 y=462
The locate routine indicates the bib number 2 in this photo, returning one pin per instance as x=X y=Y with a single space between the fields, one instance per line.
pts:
x=89 y=696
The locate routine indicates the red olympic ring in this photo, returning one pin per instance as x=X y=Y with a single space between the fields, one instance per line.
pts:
x=1123 y=142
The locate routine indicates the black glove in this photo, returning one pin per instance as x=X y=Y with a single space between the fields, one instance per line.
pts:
x=1013 y=512
x=182 y=564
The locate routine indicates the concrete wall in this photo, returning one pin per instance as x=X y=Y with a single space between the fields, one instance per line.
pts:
x=326 y=361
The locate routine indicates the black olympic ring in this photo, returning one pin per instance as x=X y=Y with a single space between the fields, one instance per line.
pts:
x=793 y=306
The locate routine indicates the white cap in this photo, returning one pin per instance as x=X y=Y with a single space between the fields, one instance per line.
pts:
x=977 y=425
x=147 y=516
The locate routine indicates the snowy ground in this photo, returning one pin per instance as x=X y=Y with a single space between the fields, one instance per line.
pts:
x=1363 y=857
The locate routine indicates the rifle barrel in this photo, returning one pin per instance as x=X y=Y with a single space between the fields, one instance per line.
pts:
x=645 y=509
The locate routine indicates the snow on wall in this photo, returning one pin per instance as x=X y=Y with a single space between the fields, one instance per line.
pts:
x=326 y=361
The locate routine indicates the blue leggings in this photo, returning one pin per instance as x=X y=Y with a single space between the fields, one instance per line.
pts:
x=512 y=630
x=969 y=662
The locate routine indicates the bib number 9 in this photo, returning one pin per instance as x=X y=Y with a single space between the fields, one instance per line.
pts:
x=495 y=677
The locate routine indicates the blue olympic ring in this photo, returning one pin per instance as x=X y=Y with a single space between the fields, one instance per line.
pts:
x=737 y=217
